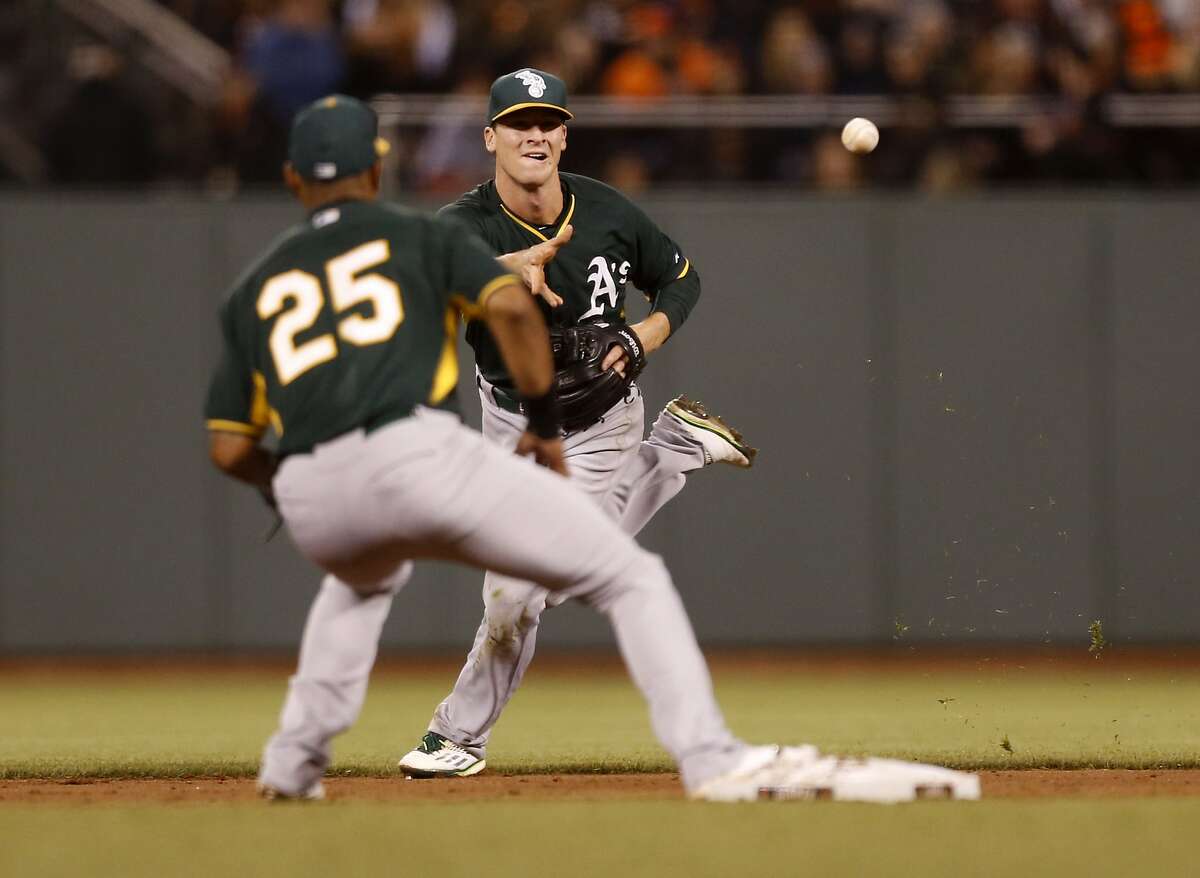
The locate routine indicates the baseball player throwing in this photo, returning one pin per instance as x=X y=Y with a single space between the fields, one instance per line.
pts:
x=341 y=338
x=528 y=203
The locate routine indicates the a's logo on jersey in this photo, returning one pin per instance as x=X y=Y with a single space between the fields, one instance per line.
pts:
x=533 y=82
x=604 y=287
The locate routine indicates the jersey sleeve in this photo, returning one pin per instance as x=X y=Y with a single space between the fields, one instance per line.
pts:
x=470 y=272
x=668 y=278
x=236 y=395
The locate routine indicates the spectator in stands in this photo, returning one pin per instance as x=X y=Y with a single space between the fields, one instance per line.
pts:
x=1068 y=56
x=450 y=158
x=834 y=168
x=288 y=59
x=794 y=58
x=294 y=56
x=860 y=58
x=101 y=134
x=642 y=69
x=1148 y=42
x=628 y=172
x=399 y=45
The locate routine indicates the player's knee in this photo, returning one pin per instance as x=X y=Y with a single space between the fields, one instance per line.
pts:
x=377 y=571
x=518 y=603
x=651 y=572
x=398 y=578
x=646 y=574
x=511 y=613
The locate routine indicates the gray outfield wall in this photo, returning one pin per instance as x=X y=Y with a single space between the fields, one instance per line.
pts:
x=978 y=422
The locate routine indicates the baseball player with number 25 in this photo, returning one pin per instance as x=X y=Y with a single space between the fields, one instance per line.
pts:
x=605 y=243
x=341 y=337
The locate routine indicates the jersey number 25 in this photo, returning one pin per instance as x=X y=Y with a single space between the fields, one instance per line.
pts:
x=347 y=288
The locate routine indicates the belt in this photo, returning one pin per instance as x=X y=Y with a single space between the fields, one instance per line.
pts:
x=504 y=399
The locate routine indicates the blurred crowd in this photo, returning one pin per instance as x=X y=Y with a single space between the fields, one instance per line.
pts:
x=287 y=52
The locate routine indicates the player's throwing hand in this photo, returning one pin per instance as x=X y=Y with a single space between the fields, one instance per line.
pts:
x=530 y=265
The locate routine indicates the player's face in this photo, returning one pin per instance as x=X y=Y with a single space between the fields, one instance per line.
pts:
x=527 y=145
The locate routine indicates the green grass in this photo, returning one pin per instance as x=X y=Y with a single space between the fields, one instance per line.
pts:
x=187 y=723
x=663 y=839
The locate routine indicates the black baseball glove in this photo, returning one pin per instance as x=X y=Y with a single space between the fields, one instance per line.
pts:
x=585 y=391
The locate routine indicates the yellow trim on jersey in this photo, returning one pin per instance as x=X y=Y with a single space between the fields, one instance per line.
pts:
x=219 y=426
x=529 y=104
x=260 y=409
x=567 y=220
x=445 y=379
x=468 y=311
x=516 y=219
x=492 y=286
x=261 y=413
x=686 y=267
x=474 y=310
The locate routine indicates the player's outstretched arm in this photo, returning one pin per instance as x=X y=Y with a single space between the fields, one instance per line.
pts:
x=530 y=265
x=520 y=333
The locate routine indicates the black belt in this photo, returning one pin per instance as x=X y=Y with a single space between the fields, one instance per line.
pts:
x=503 y=399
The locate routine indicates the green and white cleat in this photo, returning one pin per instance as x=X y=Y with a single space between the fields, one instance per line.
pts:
x=801 y=773
x=721 y=442
x=438 y=756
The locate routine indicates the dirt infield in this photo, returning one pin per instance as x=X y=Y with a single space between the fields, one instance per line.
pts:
x=582 y=787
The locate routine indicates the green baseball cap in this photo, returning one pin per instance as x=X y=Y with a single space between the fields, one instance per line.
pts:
x=335 y=137
x=527 y=88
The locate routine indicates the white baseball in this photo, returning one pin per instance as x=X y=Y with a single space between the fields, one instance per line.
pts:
x=860 y=135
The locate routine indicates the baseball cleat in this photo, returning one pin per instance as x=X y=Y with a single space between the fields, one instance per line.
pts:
x=438 y=756
x=720 y=441
x=315 y=793
x=801 y=773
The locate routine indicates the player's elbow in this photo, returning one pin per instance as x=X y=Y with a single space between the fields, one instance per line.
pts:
x=229 y=452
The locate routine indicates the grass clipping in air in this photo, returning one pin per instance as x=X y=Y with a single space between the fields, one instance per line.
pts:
x=1096 y=632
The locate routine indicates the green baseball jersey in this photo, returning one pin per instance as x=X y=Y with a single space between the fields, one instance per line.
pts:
x=614 y=243
x=347 y=321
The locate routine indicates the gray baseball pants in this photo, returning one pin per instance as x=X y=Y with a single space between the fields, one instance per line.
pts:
x=363 y=505
x=628 y=479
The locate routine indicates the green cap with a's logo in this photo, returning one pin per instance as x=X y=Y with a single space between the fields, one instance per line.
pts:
x=527 y=88
x=335 y=137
